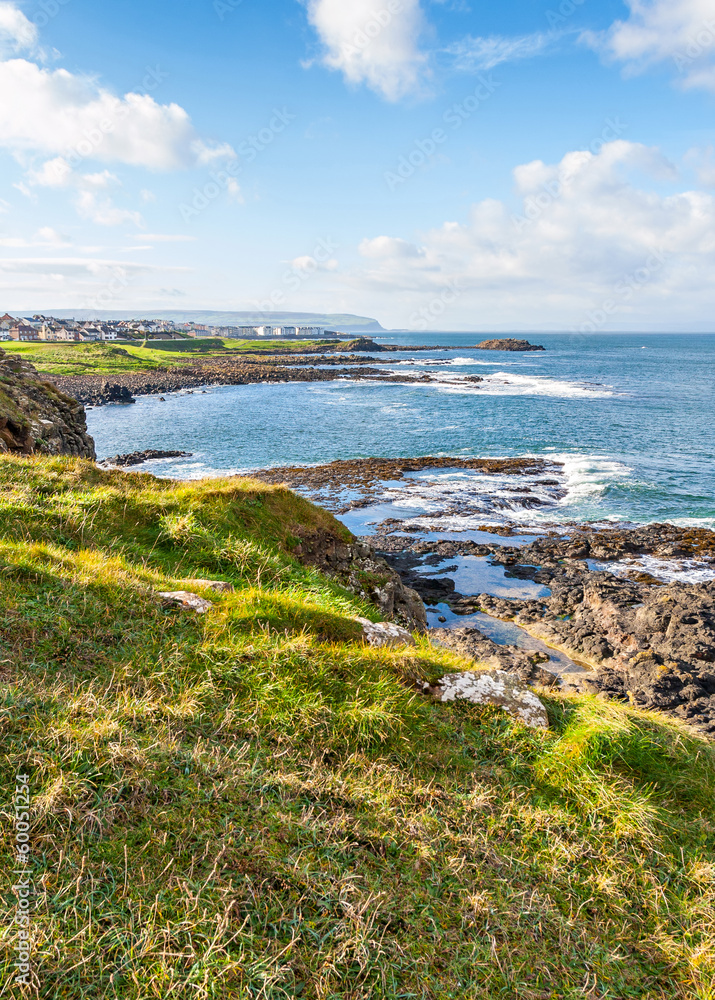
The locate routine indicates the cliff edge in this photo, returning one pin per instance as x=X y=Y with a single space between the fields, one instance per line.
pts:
x=35 y=417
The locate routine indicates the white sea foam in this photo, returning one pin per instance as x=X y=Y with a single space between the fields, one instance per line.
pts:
x=667 y=570
x=513 y=384
x=503 y=383
x=589 y=475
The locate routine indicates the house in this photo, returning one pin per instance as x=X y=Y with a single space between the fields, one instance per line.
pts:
x=7 y=321
x=24 y=332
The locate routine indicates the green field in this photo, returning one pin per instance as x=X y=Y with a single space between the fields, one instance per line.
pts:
x=108 y=359
x=253 y=804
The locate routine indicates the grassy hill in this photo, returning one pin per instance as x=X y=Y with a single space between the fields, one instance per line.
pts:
x=106 y=359
x=252 y=804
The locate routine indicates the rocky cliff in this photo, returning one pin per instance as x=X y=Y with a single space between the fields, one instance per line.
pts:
x=35 y=417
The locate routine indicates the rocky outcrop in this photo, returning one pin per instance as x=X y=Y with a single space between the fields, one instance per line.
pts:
x=139 y=457
x=470 y=642
x=647 y=641
x=508 y=344
x=498 y=689
x=385 y=635
x=35 y=417
x=183 y=600
x=357 y=567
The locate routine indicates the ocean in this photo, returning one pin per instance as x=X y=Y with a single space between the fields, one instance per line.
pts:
x=631 y=418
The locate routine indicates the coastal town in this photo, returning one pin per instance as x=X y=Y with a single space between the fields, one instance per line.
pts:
x=37 y=328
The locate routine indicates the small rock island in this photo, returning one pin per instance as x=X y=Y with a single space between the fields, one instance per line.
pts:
x=508 y=344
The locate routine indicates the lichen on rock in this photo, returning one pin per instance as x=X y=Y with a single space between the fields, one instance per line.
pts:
x=498 y=689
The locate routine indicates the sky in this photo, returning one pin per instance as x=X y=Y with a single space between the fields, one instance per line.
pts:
x=434 y=164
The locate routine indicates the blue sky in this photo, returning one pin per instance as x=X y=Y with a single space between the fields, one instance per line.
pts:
x=440 y=165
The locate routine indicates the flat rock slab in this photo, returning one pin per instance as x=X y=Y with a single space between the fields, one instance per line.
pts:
x=184 y=601
x=385 y=634
x=498 y=689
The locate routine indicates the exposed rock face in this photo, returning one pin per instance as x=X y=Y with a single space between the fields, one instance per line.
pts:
x=385 y=635
x=182 y=600
x=521 y=663
x=508 y=344
x=113 y=392
x=647 y=641
x=361 y=570
x=35 y=417
x=499 y=689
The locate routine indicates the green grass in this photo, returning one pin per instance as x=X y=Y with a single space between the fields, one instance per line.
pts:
x=108 y=359
x=252 y=804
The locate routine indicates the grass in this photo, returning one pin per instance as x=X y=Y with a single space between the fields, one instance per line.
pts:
x=107 y=359
x=252 y=804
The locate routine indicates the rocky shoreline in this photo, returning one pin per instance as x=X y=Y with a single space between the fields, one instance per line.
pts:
x=350 y=360
x=98 y=390
x=645 y=640
x=328 y=483
x=633 y=636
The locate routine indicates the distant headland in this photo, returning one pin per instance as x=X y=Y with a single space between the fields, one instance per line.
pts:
x=216 y=318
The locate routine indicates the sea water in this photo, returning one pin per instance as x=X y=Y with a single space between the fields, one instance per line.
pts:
x=631 y=419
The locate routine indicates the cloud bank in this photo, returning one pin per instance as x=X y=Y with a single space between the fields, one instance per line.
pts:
x=373 y=42
x=586 y=247
x=679 y=32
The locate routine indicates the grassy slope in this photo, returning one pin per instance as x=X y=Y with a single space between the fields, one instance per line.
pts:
x=106 y=359
x=252 y=804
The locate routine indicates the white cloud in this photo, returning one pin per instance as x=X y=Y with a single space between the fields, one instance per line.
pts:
x=473 y=54
x=166 y=238
x=60 y=114
x=233 y=189
x=57 y=173
x=52 y=237
x=16 y=32
x=45 y=237
x=375 y=42
x=657 y=31
x=585 y=234
x=387 y=246
x=309 y=265
x=103 y=212
x=65 y=115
